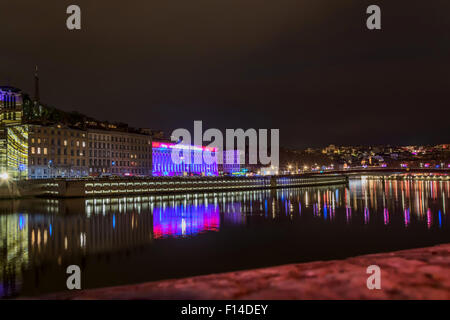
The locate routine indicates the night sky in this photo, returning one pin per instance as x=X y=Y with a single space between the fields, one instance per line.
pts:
x=308 y=67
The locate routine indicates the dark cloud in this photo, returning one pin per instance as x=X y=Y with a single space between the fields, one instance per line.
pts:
x=309 y=67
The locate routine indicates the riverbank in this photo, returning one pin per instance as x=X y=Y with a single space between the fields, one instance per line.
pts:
x=112 y=186
x=89 y=187
x=422 y=273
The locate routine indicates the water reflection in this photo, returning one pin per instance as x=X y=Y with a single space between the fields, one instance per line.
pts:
x=34 y=233
x=185 y=219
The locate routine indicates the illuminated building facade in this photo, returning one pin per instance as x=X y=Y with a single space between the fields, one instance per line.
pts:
x=15 y=141
x=13 y=134
x=195 y=164
x=11 y=106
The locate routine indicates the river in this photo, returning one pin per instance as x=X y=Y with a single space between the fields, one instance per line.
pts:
x=123 y=240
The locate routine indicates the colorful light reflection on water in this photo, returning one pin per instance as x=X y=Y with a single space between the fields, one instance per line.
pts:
x=134 y=239
x=184 y=220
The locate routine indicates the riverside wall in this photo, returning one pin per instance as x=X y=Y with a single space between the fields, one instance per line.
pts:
x=90 y=187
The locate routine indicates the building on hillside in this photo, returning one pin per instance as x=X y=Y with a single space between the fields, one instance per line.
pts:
x=131 y=154
x=36 y=147
x=11 y=106
x=99 y=152
x=57 y=151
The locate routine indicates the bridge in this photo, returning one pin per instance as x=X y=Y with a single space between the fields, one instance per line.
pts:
x=387 y=170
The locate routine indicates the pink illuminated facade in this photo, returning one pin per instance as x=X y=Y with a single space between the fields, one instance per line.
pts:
x=184 y=221
x=192 y=160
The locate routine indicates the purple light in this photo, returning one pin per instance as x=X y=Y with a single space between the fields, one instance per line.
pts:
x=407 y=217
x=182 y=221
x=163 y=164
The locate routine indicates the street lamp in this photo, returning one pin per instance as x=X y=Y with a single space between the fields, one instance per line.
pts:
x=4 y=176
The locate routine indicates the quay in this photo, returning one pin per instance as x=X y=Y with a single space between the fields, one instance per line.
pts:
x=97 y=187
x=414 y=177
x=422 y=273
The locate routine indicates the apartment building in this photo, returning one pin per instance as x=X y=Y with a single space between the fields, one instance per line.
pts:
x=99 y=152
x=131 y=154
x=29 y=148
x=57 y=151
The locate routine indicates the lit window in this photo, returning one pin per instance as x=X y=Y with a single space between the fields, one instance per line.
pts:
x=39 y=150
x=45 y=150
x=32 y=150
x=65 y=142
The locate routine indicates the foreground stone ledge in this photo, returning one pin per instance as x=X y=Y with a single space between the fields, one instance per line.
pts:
x=410 y=274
